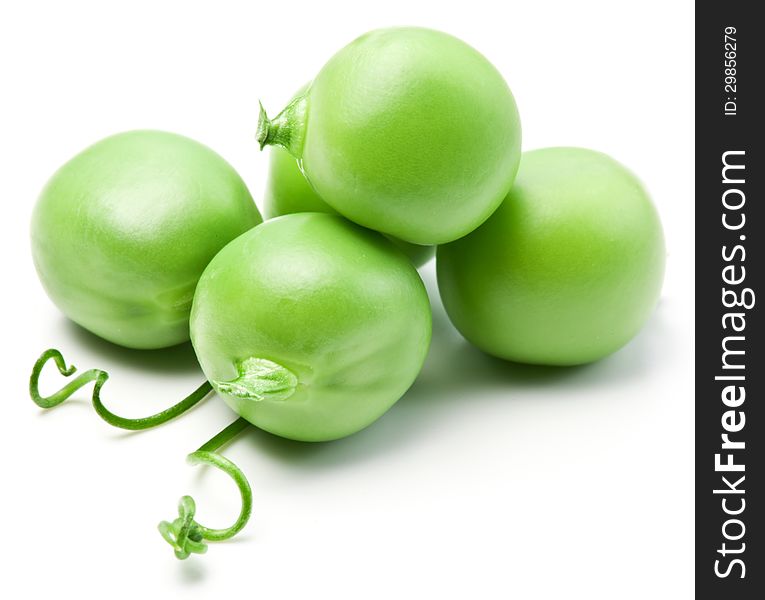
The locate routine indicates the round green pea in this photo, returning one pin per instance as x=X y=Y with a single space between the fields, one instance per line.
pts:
x=122 y=232
x=407 y=131
x=566 y=271
x=288 y=191
x=310 y=327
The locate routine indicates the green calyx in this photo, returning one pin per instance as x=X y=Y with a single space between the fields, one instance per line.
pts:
x=259 y=379
x=287 y=129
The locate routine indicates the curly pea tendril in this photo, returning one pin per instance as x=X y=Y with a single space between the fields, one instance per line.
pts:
x=100 y=378
x=184 y=534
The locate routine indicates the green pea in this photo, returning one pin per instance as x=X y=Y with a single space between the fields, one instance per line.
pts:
x=289 y=192
x=310 y=327
x=407 y=131
x=566 y=271
x=122 y=232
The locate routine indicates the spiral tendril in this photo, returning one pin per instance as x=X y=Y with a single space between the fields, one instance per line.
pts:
x=185 y=534
x=100 y=377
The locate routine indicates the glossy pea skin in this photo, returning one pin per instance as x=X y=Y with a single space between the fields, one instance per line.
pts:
x=410 y=132
x=566 y=271
x=122 y=232
x=310 y=327
x=288 y=191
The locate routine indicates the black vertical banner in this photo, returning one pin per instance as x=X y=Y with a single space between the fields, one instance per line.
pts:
x=730 y=395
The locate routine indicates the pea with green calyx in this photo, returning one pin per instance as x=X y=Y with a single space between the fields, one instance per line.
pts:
x=407 y=131
x=308 y=326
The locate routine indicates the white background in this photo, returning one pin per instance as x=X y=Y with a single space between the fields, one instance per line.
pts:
x=487 y=480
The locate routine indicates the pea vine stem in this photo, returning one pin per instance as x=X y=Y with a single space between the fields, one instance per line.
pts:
x=185 y=534
x=100 y=377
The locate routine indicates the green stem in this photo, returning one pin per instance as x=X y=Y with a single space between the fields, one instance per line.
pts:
x=185 y=534
x=100 y=377
x=287 y=129
x=225 y=436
